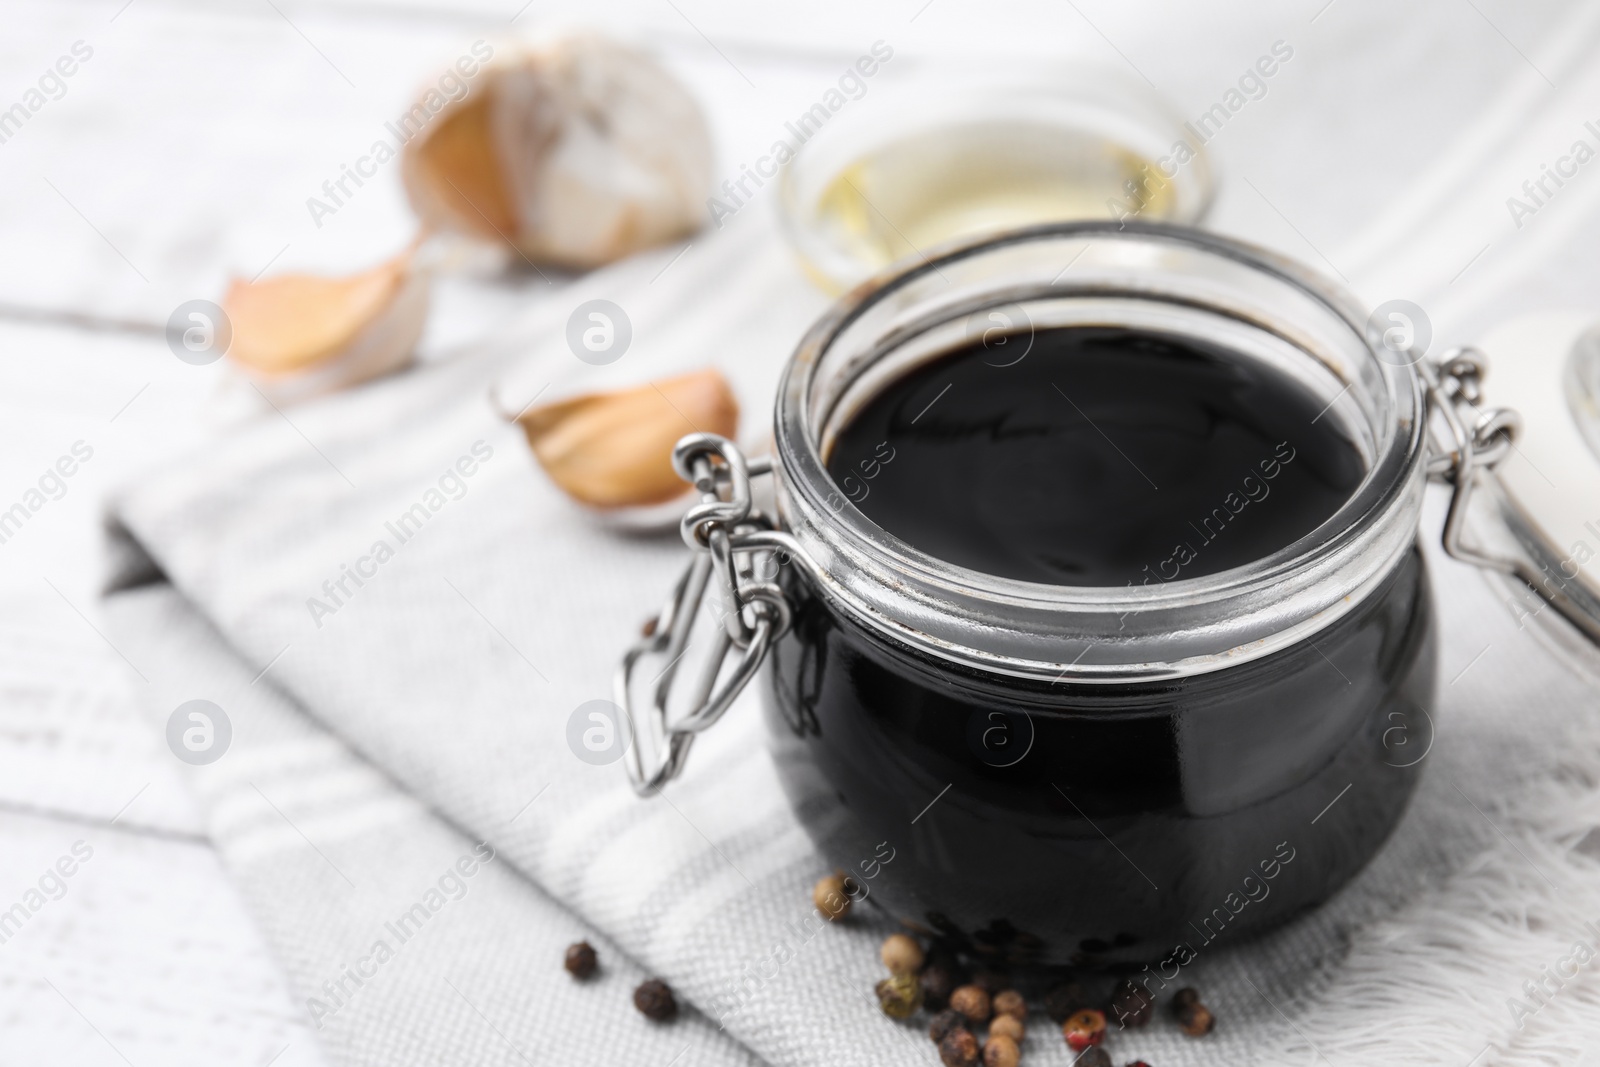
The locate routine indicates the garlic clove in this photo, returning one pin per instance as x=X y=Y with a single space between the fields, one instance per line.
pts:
x=614 y=450
x=303 y=334
x=577 y=152
x=461 y=173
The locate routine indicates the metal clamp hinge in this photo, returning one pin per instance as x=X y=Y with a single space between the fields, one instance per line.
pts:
x=736 y=548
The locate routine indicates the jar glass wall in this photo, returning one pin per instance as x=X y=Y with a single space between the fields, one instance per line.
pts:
x=1097 y=775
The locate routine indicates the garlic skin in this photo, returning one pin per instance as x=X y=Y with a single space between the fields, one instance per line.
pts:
x=614 y=450
x=578 y=152
x=301 y=335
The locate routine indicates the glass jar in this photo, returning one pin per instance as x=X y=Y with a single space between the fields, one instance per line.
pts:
x=1064 y=774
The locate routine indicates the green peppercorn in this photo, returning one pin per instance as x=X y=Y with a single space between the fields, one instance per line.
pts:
x=899 y=996
x=959 y=1048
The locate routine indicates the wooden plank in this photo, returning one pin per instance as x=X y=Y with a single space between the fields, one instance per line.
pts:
x=142 y=955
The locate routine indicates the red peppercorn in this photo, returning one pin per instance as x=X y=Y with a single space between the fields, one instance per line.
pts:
x=1084 y=1028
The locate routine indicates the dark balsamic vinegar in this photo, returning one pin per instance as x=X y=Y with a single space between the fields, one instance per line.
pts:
x=1101 y=456
x=1111 y=826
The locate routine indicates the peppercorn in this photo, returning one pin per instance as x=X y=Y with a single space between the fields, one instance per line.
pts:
x=938 y=981
x=943 y=1023
x=1009 y=1002
x=654 y=999
x=1196 y=1020
x=1084 y=1028
x=1000 y=1051
x=991 y=982
x=1184 y=997
x=581 y=960
x=1093 y=1056
x=831 y=897
x=1138 y=1063
x=958 y=1048
x=1062 y=1001
x=901 y=954
x=1132 y=1004
x=1009 y=1025
x=972 y=1002
x=899 y=996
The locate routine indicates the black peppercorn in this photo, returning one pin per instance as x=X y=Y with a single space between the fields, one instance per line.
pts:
x=938 y=980
x=581 y=960
x=1065 y=1000
x=991 y=982
x=1183 y=998
x=1132 y=1004
x=958 y=1048
x=654 y=999
x=943 y=1023
x=1093 y=1056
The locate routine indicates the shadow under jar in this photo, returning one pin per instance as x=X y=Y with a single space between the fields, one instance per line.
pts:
x=1103 y=616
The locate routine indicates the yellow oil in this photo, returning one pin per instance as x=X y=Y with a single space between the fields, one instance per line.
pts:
x=967 y=181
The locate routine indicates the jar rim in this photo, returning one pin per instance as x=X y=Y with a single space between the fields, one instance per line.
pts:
x=1085 y=633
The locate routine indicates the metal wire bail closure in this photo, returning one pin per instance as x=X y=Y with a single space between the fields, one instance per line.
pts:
x=1474 y=441
x=736 y=546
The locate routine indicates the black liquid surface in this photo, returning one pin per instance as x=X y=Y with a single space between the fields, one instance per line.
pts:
x=1102 y=456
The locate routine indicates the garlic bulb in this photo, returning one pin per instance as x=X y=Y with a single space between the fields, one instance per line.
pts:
x=577 y=152
x=298 y=335
x=614 y=450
